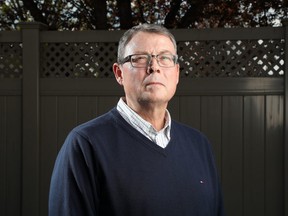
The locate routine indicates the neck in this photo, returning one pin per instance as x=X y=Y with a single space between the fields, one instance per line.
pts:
x=155 y=117
x=151 y=112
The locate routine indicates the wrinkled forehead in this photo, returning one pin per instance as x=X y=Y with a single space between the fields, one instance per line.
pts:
x=147 y=42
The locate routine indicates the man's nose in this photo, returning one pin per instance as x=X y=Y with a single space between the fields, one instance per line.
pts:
x=154 y=58
x=153 y=62
x=153 y=66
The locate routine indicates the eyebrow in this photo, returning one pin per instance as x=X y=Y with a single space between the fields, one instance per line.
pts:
x=161 y=52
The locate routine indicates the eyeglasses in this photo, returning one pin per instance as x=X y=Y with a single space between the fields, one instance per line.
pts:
x=143 y=60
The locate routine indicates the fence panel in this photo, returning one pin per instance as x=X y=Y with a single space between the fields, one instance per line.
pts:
x=254 y=161
x=10 y=155
x=232 y=154
x=274 y=156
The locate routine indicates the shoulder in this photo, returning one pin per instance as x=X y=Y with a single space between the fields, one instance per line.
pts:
x=183 y=129
x=97 y=129
x=190 y=136
x=101 y=123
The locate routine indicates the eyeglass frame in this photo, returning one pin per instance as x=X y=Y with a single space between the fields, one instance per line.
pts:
x=129 y=59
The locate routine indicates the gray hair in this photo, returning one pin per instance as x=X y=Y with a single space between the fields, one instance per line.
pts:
x=149 y=28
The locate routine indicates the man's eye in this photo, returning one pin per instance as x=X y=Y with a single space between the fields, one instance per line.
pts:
x=165 y=58
x=139 y=59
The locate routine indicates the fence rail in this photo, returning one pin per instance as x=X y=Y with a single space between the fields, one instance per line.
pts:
x=234 y=81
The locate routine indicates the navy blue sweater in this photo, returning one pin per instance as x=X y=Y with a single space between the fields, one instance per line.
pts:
x=108 y=168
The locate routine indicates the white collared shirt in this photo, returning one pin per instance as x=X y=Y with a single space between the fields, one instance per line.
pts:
x=161 y=138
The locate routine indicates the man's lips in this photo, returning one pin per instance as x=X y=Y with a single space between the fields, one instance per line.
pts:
x=154 y=83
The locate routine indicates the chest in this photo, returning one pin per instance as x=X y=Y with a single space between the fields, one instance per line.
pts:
x=154 y=181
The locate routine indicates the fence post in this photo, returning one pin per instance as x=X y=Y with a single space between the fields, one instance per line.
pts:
x=30 y=33
x=285 y=25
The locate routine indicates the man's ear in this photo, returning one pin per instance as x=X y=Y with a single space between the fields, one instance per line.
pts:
x=178 y=72
x=118 y=73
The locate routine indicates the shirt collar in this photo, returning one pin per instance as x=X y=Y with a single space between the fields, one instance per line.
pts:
x=139 y=123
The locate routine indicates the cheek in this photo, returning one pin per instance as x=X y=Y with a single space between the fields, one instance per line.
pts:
x=173 y=78
x=173 y=82
x=132 y=80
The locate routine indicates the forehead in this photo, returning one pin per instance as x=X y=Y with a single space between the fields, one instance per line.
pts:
x=149 y=42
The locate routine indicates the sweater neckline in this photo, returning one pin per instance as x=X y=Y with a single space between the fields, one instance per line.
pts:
x=139 y=136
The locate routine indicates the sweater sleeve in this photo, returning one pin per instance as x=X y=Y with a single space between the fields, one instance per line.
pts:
x=217 y=184
x=73 y=184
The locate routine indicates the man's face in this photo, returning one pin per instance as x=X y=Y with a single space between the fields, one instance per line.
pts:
x=152 y=84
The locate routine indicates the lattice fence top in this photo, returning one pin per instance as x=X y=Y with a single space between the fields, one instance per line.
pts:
x=239 y=58
x=78 y=59
x=10 y=60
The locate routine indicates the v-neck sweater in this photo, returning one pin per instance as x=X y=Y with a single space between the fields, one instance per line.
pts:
x=108 y=168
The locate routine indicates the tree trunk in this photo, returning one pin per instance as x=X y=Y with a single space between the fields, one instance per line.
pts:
x=170 y=19
x=35 y=12
x=100 y=13
x=193 y=13
x=125 y=13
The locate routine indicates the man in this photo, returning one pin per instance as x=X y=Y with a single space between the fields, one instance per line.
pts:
x=134 y=160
